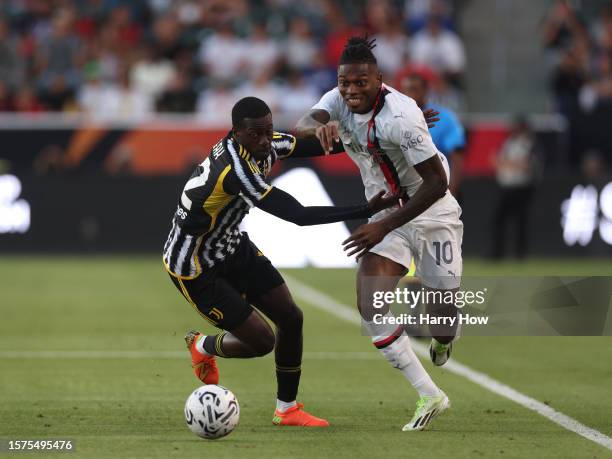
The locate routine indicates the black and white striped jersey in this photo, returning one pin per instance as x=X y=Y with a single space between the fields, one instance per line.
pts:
x=215 y=199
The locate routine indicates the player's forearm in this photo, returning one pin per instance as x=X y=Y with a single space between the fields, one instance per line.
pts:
x=306 y=127
x=319 y=215
x=308 y=124
x=427 y=194
x=286 y=207
x=311 y=147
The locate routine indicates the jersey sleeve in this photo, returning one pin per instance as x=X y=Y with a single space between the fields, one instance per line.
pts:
x=411 y=134
x=245 y=177
x=285 y=206
x=283 y=144
x=331 y=103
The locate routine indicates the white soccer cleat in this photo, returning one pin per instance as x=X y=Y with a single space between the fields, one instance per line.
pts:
x=428 y=407
x=440 y=353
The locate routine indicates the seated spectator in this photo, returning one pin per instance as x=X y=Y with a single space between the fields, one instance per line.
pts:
x=223 y=55
x=262 y=87
x=178 y=97
x=391 y=49
x=322 y=76
x=112 y=101
x=297 y=96
x=215 y=104
x=263 y=52
x=340 y=30
x=59 y=55
x=12 y=66
x=129 y=32
x=417 y=12
x=102 y=54
x=376 y=15
x=215 y=12
x=167 y=36
x=25 y=101
x=151 y=73
x=439 y=49
x=58 y=95
x=6 y=100
x=300 y=47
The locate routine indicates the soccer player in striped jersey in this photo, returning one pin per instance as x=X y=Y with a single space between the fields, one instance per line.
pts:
x=222 y=273
x=385 y=133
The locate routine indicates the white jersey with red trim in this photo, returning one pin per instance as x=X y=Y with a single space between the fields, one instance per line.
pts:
x=433 y=239
x=402 y=134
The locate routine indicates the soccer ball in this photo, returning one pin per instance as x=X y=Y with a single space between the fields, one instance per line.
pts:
x=212 y=411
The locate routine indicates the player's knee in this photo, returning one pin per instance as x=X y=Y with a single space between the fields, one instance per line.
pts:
x=367 y=311
x=290 y=317
x=293 y=319
x=265 y=344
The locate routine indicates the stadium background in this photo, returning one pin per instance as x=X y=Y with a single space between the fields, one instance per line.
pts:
x=106 y=107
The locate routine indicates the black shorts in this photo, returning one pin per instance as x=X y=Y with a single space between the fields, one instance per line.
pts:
x=222 y=294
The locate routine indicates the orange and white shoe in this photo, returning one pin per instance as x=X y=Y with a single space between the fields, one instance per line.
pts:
x=296 y=416
x=204 y=365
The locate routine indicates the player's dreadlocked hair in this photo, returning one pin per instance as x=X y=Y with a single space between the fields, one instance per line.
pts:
x=358 y=50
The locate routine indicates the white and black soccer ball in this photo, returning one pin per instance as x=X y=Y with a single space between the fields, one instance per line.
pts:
x=212 y=411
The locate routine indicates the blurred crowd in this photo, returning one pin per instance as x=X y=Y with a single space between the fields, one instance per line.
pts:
x=117 y=58
x=579 y=55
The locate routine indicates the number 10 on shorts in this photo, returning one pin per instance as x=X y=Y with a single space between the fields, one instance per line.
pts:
x=444 y=252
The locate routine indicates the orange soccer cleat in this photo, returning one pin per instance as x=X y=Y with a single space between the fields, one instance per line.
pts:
x=296 y=416
x=204 y=366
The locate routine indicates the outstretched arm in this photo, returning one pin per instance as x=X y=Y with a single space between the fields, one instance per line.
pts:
x=434 y=187
x=311 y=147
x=285 y=206
x=316 y=123
x=308 y=124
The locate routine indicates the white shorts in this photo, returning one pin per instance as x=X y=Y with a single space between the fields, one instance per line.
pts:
x=433 y=240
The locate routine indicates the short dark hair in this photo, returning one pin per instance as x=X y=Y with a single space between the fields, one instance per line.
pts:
x=358 y=50
x=248 y=107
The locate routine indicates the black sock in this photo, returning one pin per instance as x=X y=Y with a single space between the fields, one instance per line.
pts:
x=213 y=343
x=288 y=379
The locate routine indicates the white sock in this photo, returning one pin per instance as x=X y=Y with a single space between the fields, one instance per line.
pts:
x=200 y=345
x=418 y=377
x=284 y=406
x=401 y=356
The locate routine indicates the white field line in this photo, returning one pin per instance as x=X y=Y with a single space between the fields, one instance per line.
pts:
x=326 y=303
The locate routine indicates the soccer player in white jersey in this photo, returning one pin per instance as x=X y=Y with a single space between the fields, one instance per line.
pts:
x=386 y=135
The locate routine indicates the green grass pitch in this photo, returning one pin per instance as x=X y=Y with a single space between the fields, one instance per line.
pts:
x=132 y=407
